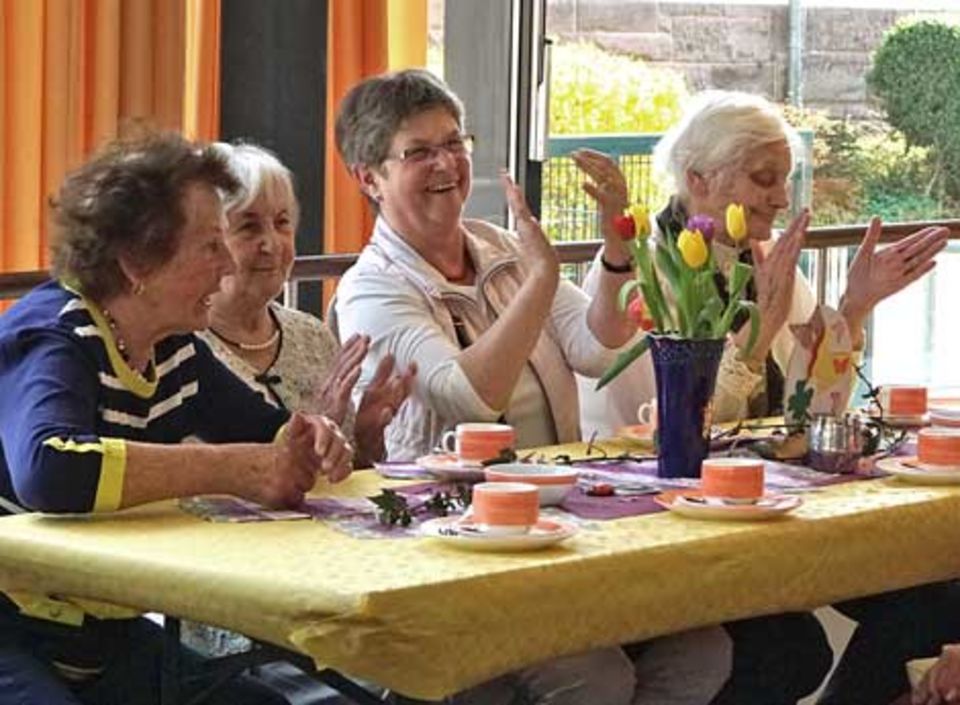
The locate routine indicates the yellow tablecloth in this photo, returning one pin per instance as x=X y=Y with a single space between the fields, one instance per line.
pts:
x=427 y=620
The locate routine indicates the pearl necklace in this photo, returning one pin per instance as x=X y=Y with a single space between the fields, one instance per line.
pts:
x=249 y=347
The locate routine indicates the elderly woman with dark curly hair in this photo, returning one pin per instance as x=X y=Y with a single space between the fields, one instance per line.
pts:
x=103 y=377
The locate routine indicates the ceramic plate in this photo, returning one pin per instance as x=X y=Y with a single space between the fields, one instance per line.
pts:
x=464 y=533
x=446 y=466
x=638 y=432
x=691 y=503
x=906 y=469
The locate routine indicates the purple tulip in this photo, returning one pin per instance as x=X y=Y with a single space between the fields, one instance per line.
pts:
x=704 y=224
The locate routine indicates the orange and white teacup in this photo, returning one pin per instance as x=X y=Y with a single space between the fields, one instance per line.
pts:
x=505 y=507
x=475 y=442
x=903 y=400
x=732 y=480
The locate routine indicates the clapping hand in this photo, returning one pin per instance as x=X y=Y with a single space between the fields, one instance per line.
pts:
x=333 y=396
x=774 y=275
x=607 y=187
x=536 y=253
x=378 y=406
x=308 y=446
x=875 y=275
x=941 y=684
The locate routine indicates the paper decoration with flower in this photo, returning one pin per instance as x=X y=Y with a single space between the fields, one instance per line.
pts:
x=821 y=368
x=674 y=291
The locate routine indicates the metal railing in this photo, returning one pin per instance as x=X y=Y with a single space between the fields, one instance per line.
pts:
x=325 y=267
x=568 y=214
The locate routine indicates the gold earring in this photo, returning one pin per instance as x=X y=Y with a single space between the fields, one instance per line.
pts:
x=139 y=288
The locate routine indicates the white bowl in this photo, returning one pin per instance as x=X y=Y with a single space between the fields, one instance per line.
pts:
x=553 y=481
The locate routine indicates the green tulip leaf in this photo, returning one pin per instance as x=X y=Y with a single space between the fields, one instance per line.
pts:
x=624 y=360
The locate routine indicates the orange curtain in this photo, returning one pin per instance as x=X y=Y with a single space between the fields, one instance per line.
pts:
x=364 y=38
x=76 y=73
x=356 y=48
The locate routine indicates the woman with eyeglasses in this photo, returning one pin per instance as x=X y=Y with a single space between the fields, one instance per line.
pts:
x=496 y=334
x=483 y=312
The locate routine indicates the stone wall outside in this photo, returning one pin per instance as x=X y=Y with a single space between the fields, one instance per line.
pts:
x=735 y=46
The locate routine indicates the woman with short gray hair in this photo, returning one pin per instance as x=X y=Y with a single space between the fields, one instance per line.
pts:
x=496 y=335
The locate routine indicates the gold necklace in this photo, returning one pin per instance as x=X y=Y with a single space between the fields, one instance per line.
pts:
x=120 y=343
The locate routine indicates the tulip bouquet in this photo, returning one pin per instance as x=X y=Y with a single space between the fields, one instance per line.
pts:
x=674 y=292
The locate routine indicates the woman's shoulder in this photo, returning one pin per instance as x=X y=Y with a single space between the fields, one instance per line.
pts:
x=294 y=322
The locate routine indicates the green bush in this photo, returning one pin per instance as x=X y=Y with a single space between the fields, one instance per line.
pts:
x=916 y=76
x=596 y=92
x=864 y=168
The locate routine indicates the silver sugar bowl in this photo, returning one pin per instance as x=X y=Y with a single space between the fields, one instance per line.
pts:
x=835 y=443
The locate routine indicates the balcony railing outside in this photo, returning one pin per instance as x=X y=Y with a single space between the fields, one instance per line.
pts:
x=568 y=214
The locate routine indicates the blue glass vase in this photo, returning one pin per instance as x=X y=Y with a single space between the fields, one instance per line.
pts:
x=686 y=374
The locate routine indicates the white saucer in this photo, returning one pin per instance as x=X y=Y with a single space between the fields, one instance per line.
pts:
x=446 y=466
x=906 y=469
x=690 y=503
x=464 y=533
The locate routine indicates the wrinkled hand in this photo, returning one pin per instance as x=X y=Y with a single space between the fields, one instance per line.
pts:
x=333 y=395
x=774 y=275
x=378 y=405
x=308 y=446
x=608 y=186
x=874 y=275
x=537 y=255
x=941 y=684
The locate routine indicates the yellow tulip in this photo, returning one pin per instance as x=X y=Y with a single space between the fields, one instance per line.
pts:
x=693 y=248
x=736 y=222
x=641 y=217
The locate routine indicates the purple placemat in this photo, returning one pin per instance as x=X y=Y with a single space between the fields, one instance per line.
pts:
x=779 y=477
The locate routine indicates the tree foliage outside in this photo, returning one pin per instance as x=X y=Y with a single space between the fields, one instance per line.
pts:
x=864 y=168
x=594 y=91
x=916 y=76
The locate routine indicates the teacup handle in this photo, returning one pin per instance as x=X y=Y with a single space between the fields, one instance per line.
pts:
x=445 y=441
x=646 y=413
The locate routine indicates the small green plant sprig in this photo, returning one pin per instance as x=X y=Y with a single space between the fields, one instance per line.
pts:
x=394 y=510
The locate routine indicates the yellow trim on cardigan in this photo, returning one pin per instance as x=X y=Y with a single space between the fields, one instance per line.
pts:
x=143 y=386
x=113 y=466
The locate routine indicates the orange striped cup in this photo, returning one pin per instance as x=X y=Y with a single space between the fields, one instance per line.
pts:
x=939 y=446
x=506 y=507
x=738 y=480
x=903 y=400
x=475 y=442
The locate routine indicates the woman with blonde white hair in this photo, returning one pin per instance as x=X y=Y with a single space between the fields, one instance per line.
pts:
x=733 y=147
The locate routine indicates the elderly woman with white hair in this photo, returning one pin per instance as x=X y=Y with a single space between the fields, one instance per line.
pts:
x=290 y=357
x=732 y=147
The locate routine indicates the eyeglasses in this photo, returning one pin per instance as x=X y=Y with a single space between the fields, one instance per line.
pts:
x=458 y=146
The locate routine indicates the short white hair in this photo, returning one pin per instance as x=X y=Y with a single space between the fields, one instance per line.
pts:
x=259 y=172
x=716 y=131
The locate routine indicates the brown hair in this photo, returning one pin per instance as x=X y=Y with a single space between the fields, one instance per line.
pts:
x=127 y=200
x=373 y=110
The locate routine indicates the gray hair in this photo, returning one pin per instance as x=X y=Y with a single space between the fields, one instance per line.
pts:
x=259 y=171
x=372 y=112
x=715 y=133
